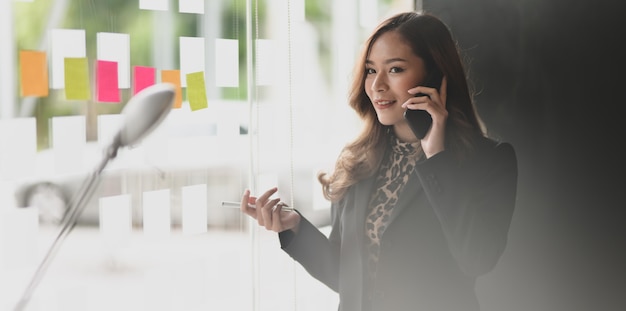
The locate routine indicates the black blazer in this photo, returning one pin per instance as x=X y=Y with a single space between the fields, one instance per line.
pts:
x=449 y=226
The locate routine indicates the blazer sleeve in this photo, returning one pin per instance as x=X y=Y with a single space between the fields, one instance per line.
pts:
x=318 y=254
x=474 y=202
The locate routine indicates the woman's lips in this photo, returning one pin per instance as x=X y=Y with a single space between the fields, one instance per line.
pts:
x=383 y=104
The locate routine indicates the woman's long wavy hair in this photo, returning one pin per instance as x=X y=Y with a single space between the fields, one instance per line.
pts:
x=431 y=40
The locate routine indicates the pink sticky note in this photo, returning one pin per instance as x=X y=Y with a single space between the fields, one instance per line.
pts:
x=106 y=82
x=144 y=77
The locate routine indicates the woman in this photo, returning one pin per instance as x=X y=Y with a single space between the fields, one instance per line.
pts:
x=414 y=221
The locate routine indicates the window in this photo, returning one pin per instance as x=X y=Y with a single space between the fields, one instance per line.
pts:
x=262 y=103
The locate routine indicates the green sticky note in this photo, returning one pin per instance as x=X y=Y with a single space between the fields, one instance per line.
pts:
x=77 y=79
x=196 y=91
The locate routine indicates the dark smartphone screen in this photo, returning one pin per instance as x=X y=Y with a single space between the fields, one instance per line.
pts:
x=420 y=120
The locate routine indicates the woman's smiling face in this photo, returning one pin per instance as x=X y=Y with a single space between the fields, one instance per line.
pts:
x=391 y=70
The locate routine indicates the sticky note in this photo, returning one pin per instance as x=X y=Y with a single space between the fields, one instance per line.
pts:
x=266 y=61
x=65 y=43
x=19 y=138
x=173 y=77
x=158 y=288
x=19 y=229
x=71 y=297
x=196 y=91
x=144 y=77
x=115 y=47
x=297 y=10
x=115 y=220
x=191 y=56
x=108 y=127
x=77 y=79
x=154 y=5
x=34 y=73
x=194 y=208
x=368 y=13
x=226 y=62
x=106 y=82
x=191 y=6
x=192 y=279
x=68 y=142
x=156 y=213
x=267 y=181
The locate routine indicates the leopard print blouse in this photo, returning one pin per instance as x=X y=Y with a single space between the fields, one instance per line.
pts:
x=392 y=176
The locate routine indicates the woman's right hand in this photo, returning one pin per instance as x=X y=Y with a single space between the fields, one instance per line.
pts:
x=269 y=213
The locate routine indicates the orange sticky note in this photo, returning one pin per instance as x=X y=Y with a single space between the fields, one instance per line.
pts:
x=34 y=73
x=173 y=77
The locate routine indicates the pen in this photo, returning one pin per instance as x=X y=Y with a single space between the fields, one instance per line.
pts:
x=237 y=204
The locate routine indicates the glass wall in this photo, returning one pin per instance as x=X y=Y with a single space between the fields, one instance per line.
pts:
x=261 y=102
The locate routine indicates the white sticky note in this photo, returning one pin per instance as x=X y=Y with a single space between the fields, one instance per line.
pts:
x=266 y=61
x=65 y=43
x=72 y=297
x=158 y=288
x=228 y=129
x=68 y=142
x=108 y=126
x=297 y=10
x=115 y=47
x=115 y=220
x=267 y=181
x=154 y=5
x=191 y=57
x=153 y=148
x=156 y=213
x=19 y=229
x=191 y=6
x=192 y=279
x=227 y=62
x=18 y=138
x=368 y=16
x=194 y=203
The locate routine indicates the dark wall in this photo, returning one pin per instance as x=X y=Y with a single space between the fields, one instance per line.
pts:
x=550 y=76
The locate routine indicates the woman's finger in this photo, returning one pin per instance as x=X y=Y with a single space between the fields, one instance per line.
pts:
x=266 y=212
x=267 y=194
x=443 y=91
x=262 y=199
x=277 y=217
x=245 y=207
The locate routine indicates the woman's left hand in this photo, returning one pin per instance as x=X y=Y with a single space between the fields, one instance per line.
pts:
x=435 y=105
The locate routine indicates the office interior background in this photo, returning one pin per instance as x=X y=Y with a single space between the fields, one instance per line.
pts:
x=262 y=102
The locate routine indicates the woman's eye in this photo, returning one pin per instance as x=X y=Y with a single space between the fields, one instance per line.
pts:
x=396 y=69
x=369 y=71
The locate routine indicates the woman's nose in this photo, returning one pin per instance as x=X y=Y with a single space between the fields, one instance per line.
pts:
x=379 y=84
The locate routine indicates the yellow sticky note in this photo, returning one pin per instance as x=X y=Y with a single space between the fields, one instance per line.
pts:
x=77 y=79
x=34 y=73
x=173 y=77
x=196 y=91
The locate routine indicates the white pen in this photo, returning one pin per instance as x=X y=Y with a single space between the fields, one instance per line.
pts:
x=237 y=205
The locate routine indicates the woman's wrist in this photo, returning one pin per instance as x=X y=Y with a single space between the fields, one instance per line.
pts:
x=296 y=228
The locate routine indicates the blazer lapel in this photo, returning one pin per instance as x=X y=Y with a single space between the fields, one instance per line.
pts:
x=363 y=193
x=408 y=196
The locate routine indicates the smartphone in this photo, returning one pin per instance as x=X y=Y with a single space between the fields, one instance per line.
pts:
x=419 y=120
